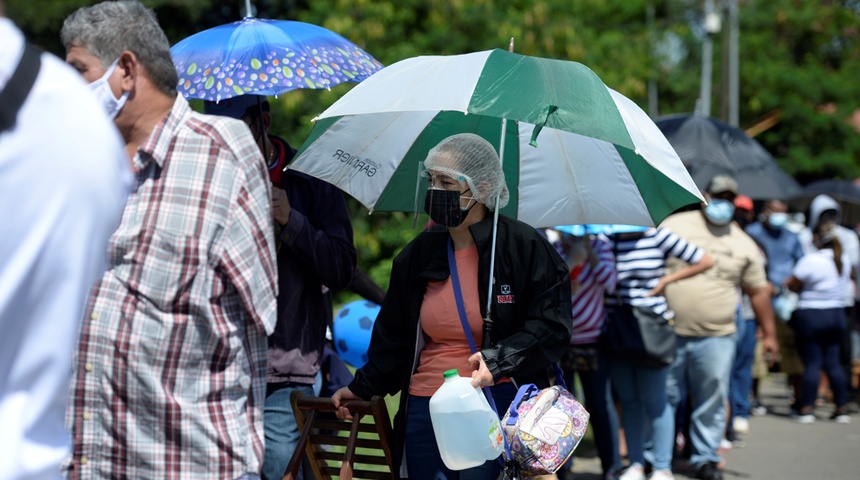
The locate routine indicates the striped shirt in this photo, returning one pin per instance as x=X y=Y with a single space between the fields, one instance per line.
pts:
x=640 y=262
x=170 y=372
x=587 y=302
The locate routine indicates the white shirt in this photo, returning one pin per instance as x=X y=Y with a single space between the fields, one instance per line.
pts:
x=823 y=286
x=64 y=178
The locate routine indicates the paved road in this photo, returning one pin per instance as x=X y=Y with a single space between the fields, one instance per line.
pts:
x=776 y=447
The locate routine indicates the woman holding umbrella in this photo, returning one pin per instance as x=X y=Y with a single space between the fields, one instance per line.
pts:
x=419 y=320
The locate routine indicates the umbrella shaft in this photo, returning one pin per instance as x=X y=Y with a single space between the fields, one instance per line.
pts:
x=486 y=331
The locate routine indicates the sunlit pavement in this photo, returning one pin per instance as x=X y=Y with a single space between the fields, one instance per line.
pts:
x=776 y=447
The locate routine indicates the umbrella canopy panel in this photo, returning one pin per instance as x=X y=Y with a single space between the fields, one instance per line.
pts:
x=563 y=95
x=384 y=174
x=567 y=178
x=266 y=57
x=709 y=147
x=845 y=192
x=583 y=152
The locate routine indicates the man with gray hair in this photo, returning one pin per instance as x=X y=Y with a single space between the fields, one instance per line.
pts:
x=170 y=370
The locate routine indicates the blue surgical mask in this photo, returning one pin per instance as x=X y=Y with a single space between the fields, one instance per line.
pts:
x=720 y=212
x=777 y=220
x=101 y=88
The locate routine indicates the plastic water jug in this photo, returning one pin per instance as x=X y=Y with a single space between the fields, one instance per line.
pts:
x=466 y=427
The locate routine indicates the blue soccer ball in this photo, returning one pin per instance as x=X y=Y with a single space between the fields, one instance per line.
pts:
x=353 y=325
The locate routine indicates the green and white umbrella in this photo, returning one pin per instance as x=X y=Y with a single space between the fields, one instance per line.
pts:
x=575 y=151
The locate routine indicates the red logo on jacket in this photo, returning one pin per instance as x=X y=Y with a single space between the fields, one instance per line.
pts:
x=506 y=296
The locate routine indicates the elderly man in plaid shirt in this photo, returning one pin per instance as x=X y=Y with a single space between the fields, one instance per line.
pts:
x=170 y=371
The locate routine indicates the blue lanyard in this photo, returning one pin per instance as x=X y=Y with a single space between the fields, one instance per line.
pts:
x=461 y=309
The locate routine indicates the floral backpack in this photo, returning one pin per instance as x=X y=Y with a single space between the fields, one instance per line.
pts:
x=542 y=428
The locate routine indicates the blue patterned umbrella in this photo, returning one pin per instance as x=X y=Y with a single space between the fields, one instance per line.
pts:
x=266 y=57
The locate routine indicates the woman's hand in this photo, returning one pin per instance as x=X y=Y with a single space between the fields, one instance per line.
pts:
x=280 y=206
x=659 y=289
x=481 y=376
x=344 y=393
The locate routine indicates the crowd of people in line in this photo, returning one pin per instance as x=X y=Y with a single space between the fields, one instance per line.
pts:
x=213 y=304
x=745 y=290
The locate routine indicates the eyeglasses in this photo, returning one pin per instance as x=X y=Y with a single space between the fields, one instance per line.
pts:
x=442 y=181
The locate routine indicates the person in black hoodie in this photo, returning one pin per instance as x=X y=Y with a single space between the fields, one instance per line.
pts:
x=418 y=333
x=315 y=255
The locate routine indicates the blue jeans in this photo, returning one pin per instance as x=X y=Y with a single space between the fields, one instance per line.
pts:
x=819 y=335
x=702 y=367
x=740 y=384
x=423 y=460
x=598 y=402
x=645 y=412
x=281 y=430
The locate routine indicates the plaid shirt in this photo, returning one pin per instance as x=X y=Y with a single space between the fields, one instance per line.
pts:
x=170 y=372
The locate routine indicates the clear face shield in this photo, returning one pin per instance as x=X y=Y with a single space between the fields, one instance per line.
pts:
x=444 y=193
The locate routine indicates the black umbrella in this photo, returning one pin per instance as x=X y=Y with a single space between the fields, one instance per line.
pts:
x=709 y=147
x=845 y=192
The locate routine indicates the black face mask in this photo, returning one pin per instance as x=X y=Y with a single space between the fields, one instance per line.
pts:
x=443 y=206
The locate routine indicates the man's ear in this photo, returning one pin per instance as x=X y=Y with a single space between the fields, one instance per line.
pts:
x=267 y=121
x=129 y=68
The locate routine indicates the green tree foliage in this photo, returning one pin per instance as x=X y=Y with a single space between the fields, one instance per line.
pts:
x=799 y=63
x=802 y=59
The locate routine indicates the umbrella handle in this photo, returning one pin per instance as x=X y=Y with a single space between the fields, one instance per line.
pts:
x=486 y=331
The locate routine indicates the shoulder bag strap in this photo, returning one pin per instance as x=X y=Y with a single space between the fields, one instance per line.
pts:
x=461 y=309
x=18 y=88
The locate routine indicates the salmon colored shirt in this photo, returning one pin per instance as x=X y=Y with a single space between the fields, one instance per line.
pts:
x=446 y=345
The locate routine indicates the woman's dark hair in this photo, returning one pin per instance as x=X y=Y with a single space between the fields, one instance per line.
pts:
x=827 y=238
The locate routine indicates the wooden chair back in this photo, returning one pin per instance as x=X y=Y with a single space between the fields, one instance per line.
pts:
x=339 y=448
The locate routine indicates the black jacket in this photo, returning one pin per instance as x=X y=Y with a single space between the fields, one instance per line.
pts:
x=532 y=324
x=315 y=248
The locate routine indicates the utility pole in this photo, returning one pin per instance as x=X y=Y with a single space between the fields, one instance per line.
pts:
x=653 y=103
x=712 y=26
x=734 y=64
x=724 y=66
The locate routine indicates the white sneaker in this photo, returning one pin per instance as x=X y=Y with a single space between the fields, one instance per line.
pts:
x=633 y=472
x=661 y=475
x=759 y=410
x=806 y=419
x=725 y=444
x=842 y=418
x=741 y=425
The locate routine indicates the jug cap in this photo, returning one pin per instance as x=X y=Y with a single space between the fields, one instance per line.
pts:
x=450 y=373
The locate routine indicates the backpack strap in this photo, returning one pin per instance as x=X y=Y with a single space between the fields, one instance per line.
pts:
x=16 y=91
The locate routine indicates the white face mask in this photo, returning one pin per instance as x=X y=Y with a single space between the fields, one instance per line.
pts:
x=101 y=88
x=777 y=220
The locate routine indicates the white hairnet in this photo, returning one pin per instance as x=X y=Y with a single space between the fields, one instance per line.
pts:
x=469 y=157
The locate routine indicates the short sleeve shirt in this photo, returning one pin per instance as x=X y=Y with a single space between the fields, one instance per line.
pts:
x=823 y=285
x=706 y=304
